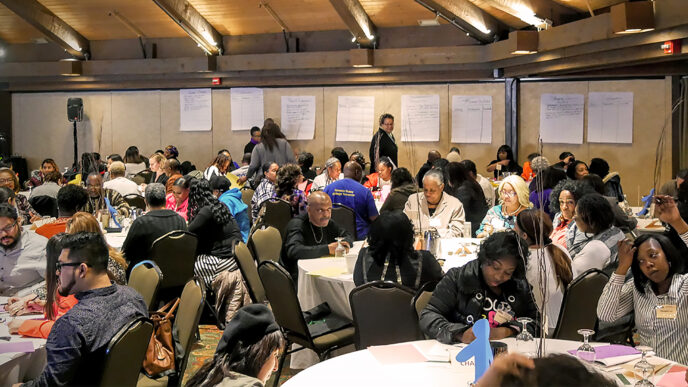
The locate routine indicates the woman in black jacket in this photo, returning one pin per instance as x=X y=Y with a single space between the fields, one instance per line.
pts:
x=493 y=287
x=461 y=186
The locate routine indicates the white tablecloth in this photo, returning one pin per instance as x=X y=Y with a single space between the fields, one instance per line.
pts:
x=361 y=368
x=116 y=239
x=20 y=367
x=644 y=223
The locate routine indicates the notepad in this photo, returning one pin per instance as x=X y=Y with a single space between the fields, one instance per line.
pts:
x=397 y=354
x=613 y=350
x=16 y=346
x=675 y=377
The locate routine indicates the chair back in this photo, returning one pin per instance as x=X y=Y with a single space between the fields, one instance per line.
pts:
x=246 y=196
x=280 y=290
x=186 y=321
x=579 y=305
x=248 y=268
x=277 y=214
x=383 y=315
x=143 y=177
x=175 y=254
x=44 y=205
x=125 y=352
x=345 y=217
x=146 y=278
x=422 y=297
x=134 y=200
x=266 y=244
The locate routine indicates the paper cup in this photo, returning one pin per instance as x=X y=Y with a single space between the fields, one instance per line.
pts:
x=350 y=262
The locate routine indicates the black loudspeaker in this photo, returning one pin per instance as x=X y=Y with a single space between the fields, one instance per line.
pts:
x=75 y=109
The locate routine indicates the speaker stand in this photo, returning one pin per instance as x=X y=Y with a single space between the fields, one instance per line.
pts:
x=76 y=156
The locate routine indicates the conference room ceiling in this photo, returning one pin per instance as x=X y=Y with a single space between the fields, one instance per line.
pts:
x=92 y=19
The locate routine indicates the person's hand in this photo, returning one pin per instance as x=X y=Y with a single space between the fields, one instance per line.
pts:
x=499 y=333
x=666 y=210
x=13 y=326
x=503 y=365
x=626 y=251
x=467 y=337
x=35 y=218
x=25 y=305
x=332 y=246
x=568 y=160
x=242 y=180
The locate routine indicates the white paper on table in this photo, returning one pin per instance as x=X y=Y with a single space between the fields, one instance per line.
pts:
x=195 y=110
x=298 y=117
x=420 y=117
x=355 y=118
x=610 y=117
x=246 y=108
x=472 y=119
x=561 y=118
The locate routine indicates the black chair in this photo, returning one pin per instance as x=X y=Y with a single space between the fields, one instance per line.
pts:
x=143 y=177
x=324 y=337
x=422 y=297
x=383 y=314
x=175 y=255
x=277 y=214
x=579 y=306
x=125 y=352
x=345 y=217
x=44 y=205
x=135 y=200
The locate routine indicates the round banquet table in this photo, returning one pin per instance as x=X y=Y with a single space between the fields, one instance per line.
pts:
x=16 y=367
x=362 y=368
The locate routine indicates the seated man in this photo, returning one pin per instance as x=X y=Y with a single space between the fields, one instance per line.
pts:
x=70 y=199
x=120 y=183
x=50 y=186
x=100 y=198
x=349 y=192
x=232 y=199
x=312 y=234
x=671 y=187
x=433 y=208
x=157 y=222
x=78 y=340
x=23 y=254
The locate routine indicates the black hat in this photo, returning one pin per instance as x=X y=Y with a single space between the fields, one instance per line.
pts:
x=219 y=183
x=250 y=324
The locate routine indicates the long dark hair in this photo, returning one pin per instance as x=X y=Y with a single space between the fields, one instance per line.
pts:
x=220 y=160
x=132 y=156
x=550 y=177
x=200 y=195
x=287 y=176
x=243 y=359
x=457 y=175
x=528 y=221
x=269 y=135
x=391 y=233
x=501 y=245
x=52 y=251
x=571 y=170
x=509 y=153
x=672 y=255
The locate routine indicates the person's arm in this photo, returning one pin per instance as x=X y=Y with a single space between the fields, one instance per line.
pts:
x=456 y=222
x=63 y=350
x=254 y=165
x=372 y=209
x=433 y=319
x=595 y=255
x=118 y=203
x=200 y=221
x=616 y=300
x=486 y=221
x=667 y=212
x=35 y=328
x=432 y=271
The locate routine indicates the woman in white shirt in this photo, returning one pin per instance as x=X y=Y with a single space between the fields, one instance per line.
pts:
x=332 y=173
x=218 y=167
x=133 y=162
x=548 y=269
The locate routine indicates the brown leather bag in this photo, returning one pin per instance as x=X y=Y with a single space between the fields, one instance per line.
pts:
x=160 y=353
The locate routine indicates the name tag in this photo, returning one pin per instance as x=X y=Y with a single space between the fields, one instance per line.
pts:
x=666 y=311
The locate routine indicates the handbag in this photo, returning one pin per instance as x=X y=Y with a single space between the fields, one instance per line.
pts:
x=159 y=360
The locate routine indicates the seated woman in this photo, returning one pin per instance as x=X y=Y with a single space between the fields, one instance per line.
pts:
x=390 y=255
x=247 y=353
x=218 y=167
x=658 y=293
x=10 y=180
x=548 y=269
x=542 y=185
x=382 y=177
x=288 y=178
x=611 y=180
x=332 y=173
x=577 y=170
x=492 y=287
x=621 y=220
x=468 y=191
x=435 y=209
x=562 y=204
x=513 y=198
x=38 y=176
x=402 y=187
x=133 y=161
x=47 y=299
x=265 y=189
x=217 y=233
x=178 y=200
x=505 y=162
x=592 y=240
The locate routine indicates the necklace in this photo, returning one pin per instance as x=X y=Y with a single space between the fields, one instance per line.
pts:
x=506 y=214
x=322 y=234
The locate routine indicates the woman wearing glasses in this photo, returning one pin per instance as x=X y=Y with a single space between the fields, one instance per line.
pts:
x=513 y=198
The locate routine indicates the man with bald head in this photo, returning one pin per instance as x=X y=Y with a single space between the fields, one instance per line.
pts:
x=432 y=156
x=349 y=192
x=312 y=234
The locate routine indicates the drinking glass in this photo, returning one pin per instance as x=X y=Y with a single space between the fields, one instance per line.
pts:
x=643 y=369
x=586 y=352
x=340 y=250
x=524 y=340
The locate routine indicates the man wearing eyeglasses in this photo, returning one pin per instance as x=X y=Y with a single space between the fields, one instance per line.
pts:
x=22 y=254
x=77 y=342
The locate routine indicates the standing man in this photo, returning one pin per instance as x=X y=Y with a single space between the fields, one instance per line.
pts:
x=383 y=142
x=255 y=140
x=349 y=192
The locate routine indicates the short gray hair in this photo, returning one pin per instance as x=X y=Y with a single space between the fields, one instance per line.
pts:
x=434 y=174
x=155 y=195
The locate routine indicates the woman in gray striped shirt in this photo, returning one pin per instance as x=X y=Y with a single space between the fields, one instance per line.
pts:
x=658 y=293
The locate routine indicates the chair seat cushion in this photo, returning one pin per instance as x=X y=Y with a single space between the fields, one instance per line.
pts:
x=340 y=338
x=145 y=381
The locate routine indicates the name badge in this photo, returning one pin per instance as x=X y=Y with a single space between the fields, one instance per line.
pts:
x=666 y=311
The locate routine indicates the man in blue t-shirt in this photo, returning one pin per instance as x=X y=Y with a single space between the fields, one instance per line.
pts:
x=351 y=193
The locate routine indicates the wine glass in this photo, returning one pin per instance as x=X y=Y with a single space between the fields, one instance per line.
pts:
x=524 y=340
x=643 y=369
x=340 y=250
x=586 y=351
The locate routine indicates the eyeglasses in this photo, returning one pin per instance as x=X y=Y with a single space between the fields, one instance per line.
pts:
x=8 y=228
x=3 y=181
x=508 y=194
x=59 y=265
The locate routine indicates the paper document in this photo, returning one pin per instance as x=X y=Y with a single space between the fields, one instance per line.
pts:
x=355 y=118
x=420 y=117
x=246 y=108
x=561 y=118
x=472 y=119
x=195 y=110
x=298 y=117
x=610 y=117
x=397 y=354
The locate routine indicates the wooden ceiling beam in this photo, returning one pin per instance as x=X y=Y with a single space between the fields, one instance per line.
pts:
x=466 y=16
x=54 y=28
x=194 y=24
x=357 y=20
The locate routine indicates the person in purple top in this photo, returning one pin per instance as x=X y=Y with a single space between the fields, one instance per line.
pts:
x=349 y=192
